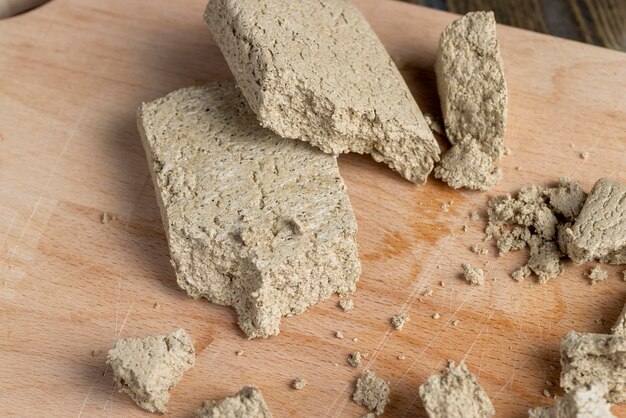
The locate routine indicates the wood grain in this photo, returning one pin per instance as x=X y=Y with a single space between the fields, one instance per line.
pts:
x=72 y=74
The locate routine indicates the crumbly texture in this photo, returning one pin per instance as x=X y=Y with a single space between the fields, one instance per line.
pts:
x=455 y=394
x=247 y=403
x=467 y=165
x=354 y=359
x=521 y=273
x=586 y=358
x=596 y=275
x=147 y=368
x=599 y=232
x=473 y=275
x=371 y=392
x=399 y=321
x=476 y=249
x=253 y=221
x=585 y=401
x=299 y=383
x=292 y=65
x=536 y=218
x=473 y=94
x=346 y=304
x=620 y=325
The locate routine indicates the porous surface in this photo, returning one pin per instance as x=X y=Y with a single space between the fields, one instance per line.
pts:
x=600 y=230
x=470 y=81
x=316 y=71
x=467 y=165
x=455 y=394
x=146 y=368
x=253 y=221
x=371 y=392
x=247 y=403
x=536 y=218
x=586 y=358
x=585 y=401
x=473 y=275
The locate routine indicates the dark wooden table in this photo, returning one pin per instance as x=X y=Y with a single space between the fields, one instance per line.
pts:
x=598 y=22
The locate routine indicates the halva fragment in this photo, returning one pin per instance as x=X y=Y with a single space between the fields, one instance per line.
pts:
x=455 y=394
x=620 y=325
x=371 y=392
x=473 y=275
x=399 y=321
x=147 y=368
x=299 y=383
x=247 y=403
x=253 y=221
x=596 y=275
x=473 y=94
x=599 y=232
x=346 y=304
x=354 y=359
x=585 y=401
x=586 y=358
x=317 y=72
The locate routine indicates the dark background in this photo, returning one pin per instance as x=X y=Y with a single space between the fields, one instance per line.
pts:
x=598 y=22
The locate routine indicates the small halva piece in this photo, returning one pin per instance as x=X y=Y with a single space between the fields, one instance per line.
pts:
x=346 y=304
x=399 y=321
x=466 y=165
x=147 y=368
x=472 y=90
x=473 y=275
x=586 y=358
x=316 y=71
x=253 y=221
x=455 y=394
x=354 y=359
x=620 y=325
x=600 y=230
x=247 y=403
x=299 y=383
x=596 y=275
x=585 y=401
x=371 y=392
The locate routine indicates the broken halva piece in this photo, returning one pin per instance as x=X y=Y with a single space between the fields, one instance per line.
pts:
x=586 y=358
x=535 y=218
x=315 y=71
x=253 y=221
x=147 y=368
x=472 y=90
x=371 y=392
x=599 y=232
x=620 y=325
x=473 y=275
x=247 y=403
x=455 y=394
x=585 y=401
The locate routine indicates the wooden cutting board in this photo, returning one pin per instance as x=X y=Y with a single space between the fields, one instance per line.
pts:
x=72 y=74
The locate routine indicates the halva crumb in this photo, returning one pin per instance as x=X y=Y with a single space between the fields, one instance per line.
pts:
x=299 y=383
x=354 y=359
x=346 y=304
x=473 y=275
x=596 y=275
x=398 y=321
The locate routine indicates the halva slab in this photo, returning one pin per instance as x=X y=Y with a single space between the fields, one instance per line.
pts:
x=315 y=71
x=253 y=221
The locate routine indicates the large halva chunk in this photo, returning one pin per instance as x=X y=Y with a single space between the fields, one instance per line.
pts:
x=315 y=71
x=473 y=95
x=586 y=358
x=146 y=368
x=253 y=221
x=585 y=401
x=600 y=229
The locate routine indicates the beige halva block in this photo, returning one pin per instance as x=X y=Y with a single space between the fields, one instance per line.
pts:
x=317 y=72
x=599 y=232
x=586 y=358
x=585 y=401
x=473 y=95
x=146 y=368
x=247 y=403
x=455 y=394
x=253 y=221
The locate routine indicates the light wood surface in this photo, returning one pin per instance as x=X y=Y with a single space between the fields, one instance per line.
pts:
x=72 y=74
